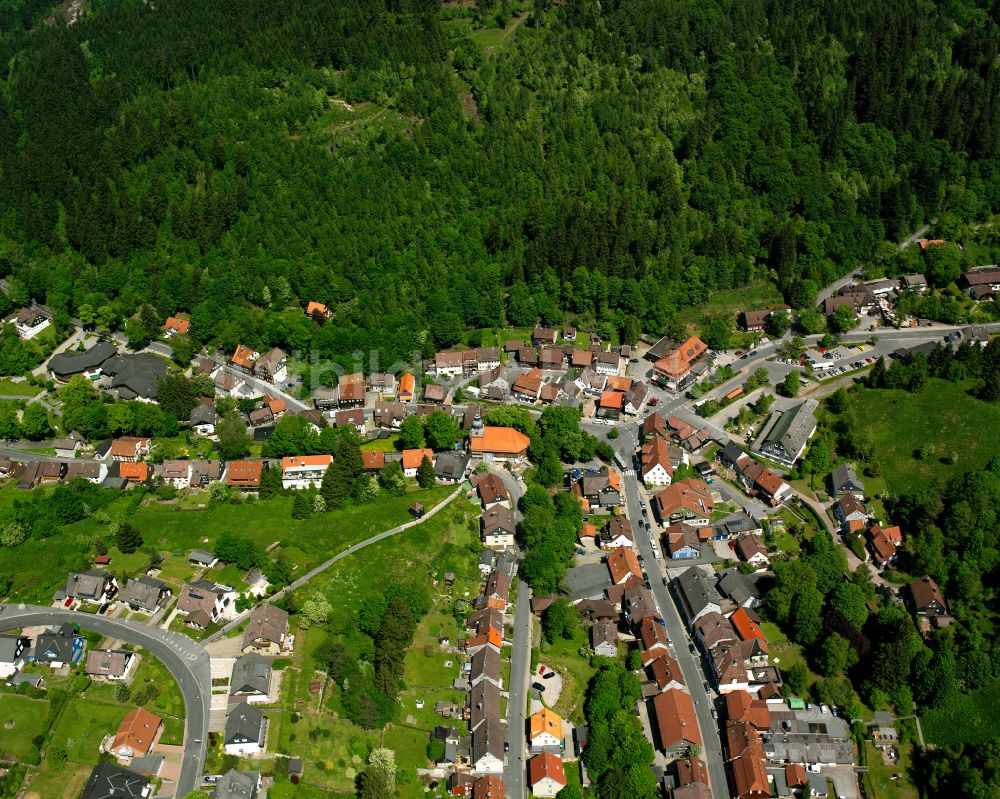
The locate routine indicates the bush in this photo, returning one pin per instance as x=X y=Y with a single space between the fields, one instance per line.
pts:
x=435 y=749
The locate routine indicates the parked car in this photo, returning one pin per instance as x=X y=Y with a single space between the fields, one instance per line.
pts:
x=538 y=686
x=548 y=675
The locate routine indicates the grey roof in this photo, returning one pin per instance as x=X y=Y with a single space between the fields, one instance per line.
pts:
x=736 y=523
x=736 y=586
x=86 y=585
x=844 y=478
x=64 y=364
x=732 y=452
x=55 y=646
x=202 y=414
x=697 y=590
x=108 y=781
x=202 y=556
x=11 y=646
x=787 y=432
x=136 y=375
x=587 y=582
x=148 y=764
x=486 y=665
x=484 y=704
x=245 y=723
x=251 y=674
x=451 y=465
x=237 y=785
x=23 y=678
x=143 y=591
x=487 y=738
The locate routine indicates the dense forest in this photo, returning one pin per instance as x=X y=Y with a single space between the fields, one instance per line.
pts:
x=613 y=161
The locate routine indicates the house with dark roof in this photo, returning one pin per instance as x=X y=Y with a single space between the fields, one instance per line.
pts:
x=145 y=594
x=13 y=654
x=29 y=322
x=844 y=480
x=206 y=596
x=136 y=376
x=928 y=603
x=251 y=678
x=488 y=748
x=737 y=588
x=751 y=549
x=108 y=781
x=497 y=527
x=91 y=586
x=239 y=784
x=450 y=467
x=267 y=630
x=272 y=366
x=63 y=365
x=58 y=646
x=604 y=638
x=786 y=433
x=696 y=590
x=245 y=731
x=483 y=704
x=676 y=723
x=203 y=558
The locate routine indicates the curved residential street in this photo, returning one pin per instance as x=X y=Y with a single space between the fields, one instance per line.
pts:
x=185 y=659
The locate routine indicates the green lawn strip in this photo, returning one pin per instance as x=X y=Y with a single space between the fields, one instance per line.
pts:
x=8 y=388
x=21 y=719
x=880 y=774
x=65 y=782
x=754 y=296
x=178 y=626
x=971 y=718
x=899 y=423
x=82 y=726
x=170 y=701
x=381 y=444
x=576 y=671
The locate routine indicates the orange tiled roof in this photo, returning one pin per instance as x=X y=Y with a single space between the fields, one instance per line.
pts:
x=588 y=530
x=611 y=399
x=412 y=458
x=747 y=627
x=277 y=405
x=244 y=356
x=137 y=731
x=614 y=480
x=500 y=440
x=623 y=562
x=134 y=472
x=316 y=308
x=177 y=325
x=124 y=447
x=373 y=460
x=675 y=718
x=545 y=721
x=545 y=765
x=296 y=461
x=407 y=383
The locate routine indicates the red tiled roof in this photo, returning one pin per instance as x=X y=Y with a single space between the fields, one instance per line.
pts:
x=545 y=765
x=675 y=718
x=177 y=325
x=134 y=472
x=623 y=562
x=412 y=458
x=500 y=440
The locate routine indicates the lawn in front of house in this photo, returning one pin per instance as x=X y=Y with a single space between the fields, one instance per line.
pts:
x=21 y=719
x=563 y=656
x=784 y=654
x=880 y=775
x=169 y=700
x=381 y=444
x=83 y=725
x=65 y=782
x=8 y=388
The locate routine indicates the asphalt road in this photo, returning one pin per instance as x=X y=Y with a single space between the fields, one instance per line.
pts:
x=693 y=677
x=185 y=659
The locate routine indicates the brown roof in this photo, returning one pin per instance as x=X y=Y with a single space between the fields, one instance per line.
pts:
x=267 y=623
x=434 y=393
x=746 y=752
x=653 y=634
x=621 y=563
x=244 y=474
x=665 y=670
x=488 y=787
x=530 y=383
x=351 y=387
x=546 y=765
x=925 y=592
x=689 y=494
x=654 y=425
x=491 y=489
x=748 y=545
x=199 y=595
x=137 y=731
x=498 y=585
x=713 y=628
x=582 y=358
x=742 y=707
x=125 y=446
x=107 y=662
x=692 y=769
x=373 y=461
x=675 y=718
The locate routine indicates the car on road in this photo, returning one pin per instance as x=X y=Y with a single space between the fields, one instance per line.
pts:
x=738 y=352
x=753 y=353
x=649 y=585
x=744 y=356
x=506 y=746
x=705 y=686
x=654 y=401
x=869 y=360
x=664 y=579
x=715 y=713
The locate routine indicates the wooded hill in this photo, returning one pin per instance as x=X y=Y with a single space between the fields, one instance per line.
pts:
x=615 y=161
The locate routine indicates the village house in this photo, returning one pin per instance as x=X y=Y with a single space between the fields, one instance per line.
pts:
x=607 y=362
x=682 y=541
x=29 y=322
x=351 y=390
x=498 y=444
x=13 y=654
x=617 y=532
x=407 y=385
x=545 y=731
x=272 y=366
x=450 y=467
x=844 y=480
x=751 y=549
x=145 y=594
x=676 y=722
x=435 y=393
x=754 y=321
x=382 y=383
x=301 y=472
x=211 y=599
x=175 y=326
x=267 y=631
x=544 y=336
x=241 y=784
x=389 y=416
x=245 y=731
x=495 y=380
x=488 y=748
x=108 y=781
x=602 y=490
x=656 y=467
x=697 y=593
x=244 y=358
x=497 y=527
x=137 y=735
x=688 y=500
x=982 y=282
x=318 y=311
x=623 y=564
x=604 y=638
x=95 y=586
x=851 y=513
x=786 y=433
x=884 y=544
x=69 y=446
x=746 y=760
x=251 y=678
x=228 y=385
x=528 y=387
x=858 y=298
x=203 y=419
x=676 y=371
x=202 y=558
x=412 y=458
x=129 y=448
x=635 y=399
x=546 y=775
x=58 y=646
x=929 y=604
x=664 y=670
x=244 y=474
x=448 y=364
x=111 y=664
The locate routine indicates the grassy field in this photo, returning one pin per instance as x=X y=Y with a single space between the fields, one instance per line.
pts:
x=899 y=423
x=972 y=718
x=880 y=775
x=62 y=783
x=8 y=388
x=39 y=566
x=756 y=295
x=784 y=654
x=576 y=671
x=21 y=719
x=381 y=444
x=83 y=725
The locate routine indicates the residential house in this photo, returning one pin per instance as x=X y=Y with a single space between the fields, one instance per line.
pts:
x=656 y=468
x=351 y=390
x=488 y=748
x=692 y=780
x=487 y=358
x=617 y=532
x=389 y=416
x=485 y=665
x=488 y=787
x=69 y=446
x=682 y=541
x=844 y=480
x=137 y=734
x=203 y=558
x=484 y=704
x=982 y=282
x=304 y=471
x=244 y=474
x=205 y=472
x=546 y=775
x=145 y=594
x=754 y=321
x=884 y=543
x=676 y=723
x=602 y=490
x=623 y=563
x=851 y=512
x=13 y=654
x=697 y=593
x=746 y=759
x=545 y=731
x=267 y=631
x=227 y=384
x=435 y=393
x=94 y=586
x=544 y=336
x=738 y=588
x=653 y=636
x=29 y=322
x=176 y=473
x=495 y=379
x=412 y=458
x=604 y=638
x=272 y=366
x=239 y=784
x=751 y=549
x=85 y=470
x=175 y=326
x=527 y=356
x=108 y=781
x=528 y=386
x=245 y=731
x=318 y=311
x=688 y=500
x=637 y=602
x=134 y=472
x=713 y=629
x=129 y=449
x=735 y=525
x=653 y=427
x=203 y=419
x=581 y=359
x=675 y=371
x=858 y=298
x=786 y=433
x=352 y=418
x=746 y=623
x=448 y=364
x=244 y=358
x=492 y=490
x=607 y=363
x=590 y=382
x=486 y=636
x=206 y=596
x=928 y=603
x=407 y=385
x=635 y=398
x=450 y=467
x=497 y=527
x=917 y=283
x=499 y=444
x=497 y=590
x=552 y=358
x=382 y=383
x=251 y=678
x=58 y=646
x=665 y=671
x=111 y=664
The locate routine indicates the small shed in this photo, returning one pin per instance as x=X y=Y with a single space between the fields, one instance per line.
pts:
x=295 y=766
x=417 y=509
